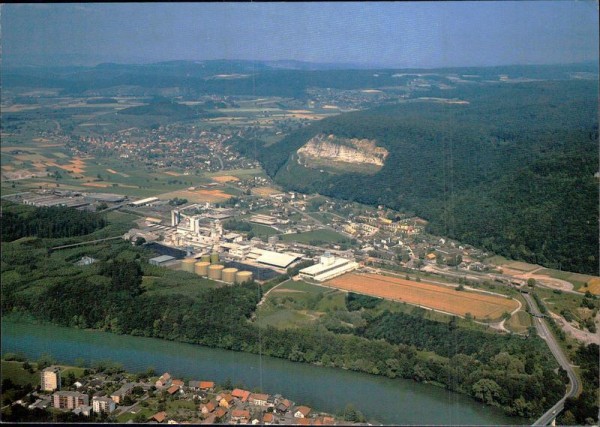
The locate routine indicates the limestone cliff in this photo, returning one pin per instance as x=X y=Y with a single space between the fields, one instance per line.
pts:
x=338 y=152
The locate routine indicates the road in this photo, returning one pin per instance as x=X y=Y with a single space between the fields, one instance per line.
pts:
x=574 y=385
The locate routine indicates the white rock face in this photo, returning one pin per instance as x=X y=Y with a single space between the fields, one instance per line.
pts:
x=345 y=150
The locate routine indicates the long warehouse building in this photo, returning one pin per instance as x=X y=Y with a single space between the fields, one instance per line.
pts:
x=328 y=268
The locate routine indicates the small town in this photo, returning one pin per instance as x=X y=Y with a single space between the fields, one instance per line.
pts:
x=107 y=394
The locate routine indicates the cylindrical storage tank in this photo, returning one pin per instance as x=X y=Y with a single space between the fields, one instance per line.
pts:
x=201 y=268
x=205 y=258
x=214 y=258
x=214 y=271
x=243 y=276
x=229 y=275
x=188 y=265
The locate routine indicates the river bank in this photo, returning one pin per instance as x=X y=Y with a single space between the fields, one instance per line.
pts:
x=389 y=401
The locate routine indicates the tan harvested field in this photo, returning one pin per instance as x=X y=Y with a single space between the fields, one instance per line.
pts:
x=593 y=286
x=172 y=173
x=264 y=191
x=436 y=297
x=198 y=196
x=225 y=178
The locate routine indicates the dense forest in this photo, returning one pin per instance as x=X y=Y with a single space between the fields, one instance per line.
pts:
x=21 y=221
x=516 y=374
x=513 y=171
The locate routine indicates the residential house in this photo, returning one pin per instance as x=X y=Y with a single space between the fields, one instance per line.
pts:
x=301 y=412
x=283 y=406
x=103 y=404
x=163 y=381
x=178 y=383
x=258 y=399
x=220 y=413
x=268 y=418
x=243 y=416
x=158 y=417
x=173 y=389
x=120 y=394
x=69 y=399
x=207 y=408
x=207 y=385
x=226 y=400
x=303 y=421
x=241 y=394
x=324 y=421
x=84 y=410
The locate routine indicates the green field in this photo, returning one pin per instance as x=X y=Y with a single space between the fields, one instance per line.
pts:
x=323 y=235
x=177 y=283
x=519 y=322
x=14 y=371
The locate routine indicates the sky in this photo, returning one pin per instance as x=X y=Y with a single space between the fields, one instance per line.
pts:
x=393 y=34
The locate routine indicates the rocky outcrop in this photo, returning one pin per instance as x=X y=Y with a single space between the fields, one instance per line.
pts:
x=330 y=148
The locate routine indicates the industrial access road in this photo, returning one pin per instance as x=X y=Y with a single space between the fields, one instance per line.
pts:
x=544 y=332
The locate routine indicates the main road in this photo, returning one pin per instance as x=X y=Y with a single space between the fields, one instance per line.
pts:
x=544 y=332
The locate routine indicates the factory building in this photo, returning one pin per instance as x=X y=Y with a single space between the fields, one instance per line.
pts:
x=328 y=268
x=162 y=261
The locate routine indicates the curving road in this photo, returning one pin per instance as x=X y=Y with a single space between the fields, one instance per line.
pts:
x=574 y=385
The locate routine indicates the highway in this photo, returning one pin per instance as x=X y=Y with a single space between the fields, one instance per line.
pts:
x=545 y=333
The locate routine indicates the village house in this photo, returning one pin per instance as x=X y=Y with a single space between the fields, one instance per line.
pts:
x=163 y=381
x=207 y=408
x=120 y=394
x=178 y=383
x=220 y=413
x=283 y=406
x=303 y=422
x=258 y=399
x=241 y=394
x=324 y=421
x=225 y=400
x=301 y=412
x=173 y=389
x=243 y=416
x=158 y=417
x=268 y=418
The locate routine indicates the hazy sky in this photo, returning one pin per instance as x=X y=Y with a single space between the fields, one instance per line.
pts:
x=403 y=34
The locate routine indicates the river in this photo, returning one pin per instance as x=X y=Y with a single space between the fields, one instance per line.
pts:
x=380 y=399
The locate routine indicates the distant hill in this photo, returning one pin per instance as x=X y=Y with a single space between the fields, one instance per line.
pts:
x=510 y=169
x=268 y=78
x=166 y=108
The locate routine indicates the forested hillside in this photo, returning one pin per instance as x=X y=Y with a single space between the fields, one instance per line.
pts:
x=511 y=171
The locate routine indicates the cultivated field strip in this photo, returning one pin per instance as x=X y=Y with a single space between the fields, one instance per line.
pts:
x=436 y=297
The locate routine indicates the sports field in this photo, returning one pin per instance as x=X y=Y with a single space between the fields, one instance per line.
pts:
x=435 y=297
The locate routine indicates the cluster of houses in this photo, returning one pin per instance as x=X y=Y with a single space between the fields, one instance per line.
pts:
x=238 y=406
x=214 y=405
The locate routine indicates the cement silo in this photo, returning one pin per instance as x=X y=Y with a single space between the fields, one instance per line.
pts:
x=214 y=258
x=229 y=275
x=243 y=277
x=188 y=265
x=214 y=271
x=201 y=268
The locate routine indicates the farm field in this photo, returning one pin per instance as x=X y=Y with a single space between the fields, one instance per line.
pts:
x=198 y=195
x=480 y=306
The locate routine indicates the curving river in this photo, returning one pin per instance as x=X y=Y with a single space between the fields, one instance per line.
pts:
x=380 y=399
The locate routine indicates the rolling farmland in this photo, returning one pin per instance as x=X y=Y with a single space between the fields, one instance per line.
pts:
x=435 y=297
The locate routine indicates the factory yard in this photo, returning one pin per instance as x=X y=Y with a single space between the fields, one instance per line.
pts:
x=440 y=298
